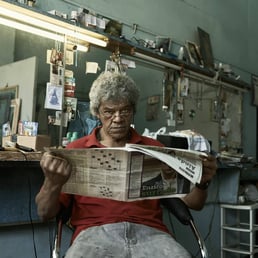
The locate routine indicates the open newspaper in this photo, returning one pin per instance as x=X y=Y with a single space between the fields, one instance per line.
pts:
x=132 y=172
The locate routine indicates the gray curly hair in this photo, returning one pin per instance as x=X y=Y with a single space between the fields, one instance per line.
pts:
x=110 y=86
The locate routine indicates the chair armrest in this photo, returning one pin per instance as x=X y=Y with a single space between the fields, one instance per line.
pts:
x=178 y=208
x=61 y=218
x=64 y=214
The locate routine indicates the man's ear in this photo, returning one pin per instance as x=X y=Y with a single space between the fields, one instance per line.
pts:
x=97 y=115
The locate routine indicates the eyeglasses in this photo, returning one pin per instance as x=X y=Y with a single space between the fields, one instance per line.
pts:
x=111 y=114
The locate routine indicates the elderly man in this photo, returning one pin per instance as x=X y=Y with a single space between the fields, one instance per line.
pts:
x=105 y=227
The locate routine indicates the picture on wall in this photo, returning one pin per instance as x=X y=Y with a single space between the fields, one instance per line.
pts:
x=215 y=110
x=7 y=96
x=70 y=106
x=206 y=49
x=254 y=83
x=5 y=102
x=54 y=97
x=13 y=91
x=180 y=111
x=56 y=75
x=111 y=66
x=193 y=53
x=14 y=114
x=152 y=109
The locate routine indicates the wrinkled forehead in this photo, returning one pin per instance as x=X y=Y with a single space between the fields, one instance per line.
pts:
x=115 y=103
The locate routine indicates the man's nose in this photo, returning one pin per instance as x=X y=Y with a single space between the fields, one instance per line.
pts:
x=117 y=115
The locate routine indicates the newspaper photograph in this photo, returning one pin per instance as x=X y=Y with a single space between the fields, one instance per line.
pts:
x=133 y=172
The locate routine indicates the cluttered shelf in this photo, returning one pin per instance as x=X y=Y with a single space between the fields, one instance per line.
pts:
x=247 y=169
x=114 y=41
x=129 y=48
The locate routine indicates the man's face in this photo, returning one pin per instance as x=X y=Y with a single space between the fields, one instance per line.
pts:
x=168 y=172
x=116 y=118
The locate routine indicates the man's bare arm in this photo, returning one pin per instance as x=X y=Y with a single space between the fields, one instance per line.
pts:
x=57 y=171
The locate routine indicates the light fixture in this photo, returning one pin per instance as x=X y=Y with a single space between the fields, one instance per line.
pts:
x=40 y=32
x=35 y=21
x=81 y=48
x=72 y=46
x=33 y=30
x=155 y=61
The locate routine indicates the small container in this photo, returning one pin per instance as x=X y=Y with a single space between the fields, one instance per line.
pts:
x=22 y=1
x=65 y=141
x=69 y=135
x=74 y=15
x=31 y=3
x=241 y=199
x=74 y=136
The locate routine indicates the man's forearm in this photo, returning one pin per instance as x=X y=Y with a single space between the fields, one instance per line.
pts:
x=47 y=200
x=196 y=198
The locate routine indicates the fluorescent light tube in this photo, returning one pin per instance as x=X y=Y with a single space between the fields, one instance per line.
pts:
x=40 y=32
x=37 y=20
x=33 y=30
x=155 y=60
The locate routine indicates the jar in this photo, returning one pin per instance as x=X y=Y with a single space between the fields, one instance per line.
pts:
x=65 y=141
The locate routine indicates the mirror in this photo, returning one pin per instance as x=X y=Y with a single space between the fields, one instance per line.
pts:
x=212 y=111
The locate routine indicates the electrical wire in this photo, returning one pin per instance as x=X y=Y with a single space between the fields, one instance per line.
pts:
x=31 y=222
x=50 y=226
x=50 y=238
x=210 y=224
x=171 y=224
x=211 y=220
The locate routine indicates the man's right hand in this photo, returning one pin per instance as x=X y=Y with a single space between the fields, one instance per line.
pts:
x=57 y=170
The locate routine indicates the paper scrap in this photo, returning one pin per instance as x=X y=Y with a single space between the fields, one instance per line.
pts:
x=91 y=67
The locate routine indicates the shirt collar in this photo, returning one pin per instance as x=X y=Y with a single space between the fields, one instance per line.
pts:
x=93 y=141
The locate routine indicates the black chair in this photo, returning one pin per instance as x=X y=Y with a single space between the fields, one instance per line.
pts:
x=174 y=205
x=179 y=209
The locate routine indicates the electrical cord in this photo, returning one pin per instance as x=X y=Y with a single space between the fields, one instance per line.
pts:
x=171 y=224
x=211 y=220
x=31 y=222
x=210 y=224
x=30 y=211
x=50 y=238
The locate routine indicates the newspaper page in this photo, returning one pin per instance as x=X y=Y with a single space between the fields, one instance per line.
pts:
x=131 y=173
x=97 y=172
x=155 y=179
x=186 y=162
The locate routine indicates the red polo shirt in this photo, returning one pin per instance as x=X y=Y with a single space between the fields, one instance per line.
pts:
x=91 y=211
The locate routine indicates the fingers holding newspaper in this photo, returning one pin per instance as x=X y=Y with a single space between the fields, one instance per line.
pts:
x=197 y=197
x=209 y=171
x=56 y=168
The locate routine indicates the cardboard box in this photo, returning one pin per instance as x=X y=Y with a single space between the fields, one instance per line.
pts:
x=35 y=142
x=6 y=141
